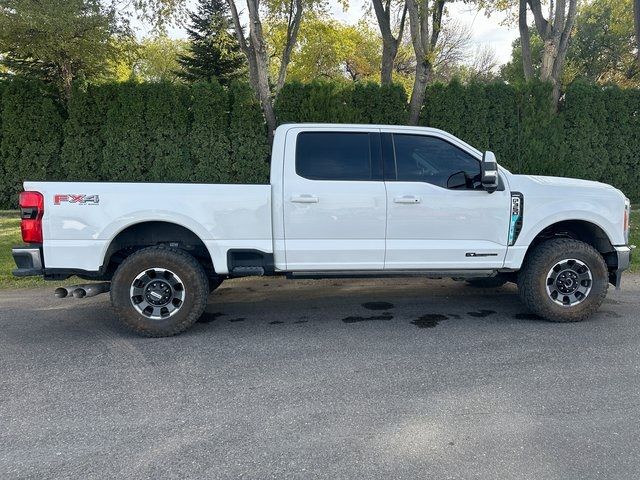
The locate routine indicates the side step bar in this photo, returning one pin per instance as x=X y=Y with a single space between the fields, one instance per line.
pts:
x=391 y=274
x=247 y=271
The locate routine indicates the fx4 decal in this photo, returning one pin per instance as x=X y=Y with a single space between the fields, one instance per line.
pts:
x=80 y=199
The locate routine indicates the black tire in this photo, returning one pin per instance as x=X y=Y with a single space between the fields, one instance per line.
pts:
x=186 y=280
x=487 y=282
x=534 y=278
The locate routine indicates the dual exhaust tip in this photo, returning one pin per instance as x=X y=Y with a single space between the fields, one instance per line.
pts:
x=83 y=291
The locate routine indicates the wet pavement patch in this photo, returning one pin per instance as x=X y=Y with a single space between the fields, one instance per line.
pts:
x=528 y=316
x=378 y=305
x=429 y=320
x=481 y=313
x=208 y=317
x=385 y=316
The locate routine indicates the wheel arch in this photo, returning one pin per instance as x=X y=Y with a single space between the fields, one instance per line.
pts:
x=584 y=230
x=142 y=234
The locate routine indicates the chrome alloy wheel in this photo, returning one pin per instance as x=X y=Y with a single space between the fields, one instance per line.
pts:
x=157 y=293
x=569 y=282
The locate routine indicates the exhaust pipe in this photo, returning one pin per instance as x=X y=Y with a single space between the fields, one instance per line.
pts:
x=93 y=289
x=83 y=291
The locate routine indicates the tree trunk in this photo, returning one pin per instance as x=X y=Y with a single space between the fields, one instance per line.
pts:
x=549 y=55
x=636 y=17
x=423 y=74
x=555 y=33
x=525 y=41
x=293 y=27
x=424 y=40
x=66 y=74
x=389 y=42
x=255 y=50
x=389 y=52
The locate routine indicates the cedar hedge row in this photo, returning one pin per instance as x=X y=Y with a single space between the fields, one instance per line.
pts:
x=207 y=133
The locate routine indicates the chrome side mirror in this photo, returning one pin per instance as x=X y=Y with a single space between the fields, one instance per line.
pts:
x=489 y=172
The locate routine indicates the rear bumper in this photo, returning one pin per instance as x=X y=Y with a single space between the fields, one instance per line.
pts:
x=28 y=260
x=624 y=261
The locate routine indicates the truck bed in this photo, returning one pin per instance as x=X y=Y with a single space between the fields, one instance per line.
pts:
x=80 y=219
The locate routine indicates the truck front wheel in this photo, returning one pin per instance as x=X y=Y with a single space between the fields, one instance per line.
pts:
x=563 y=280
x=159 y=291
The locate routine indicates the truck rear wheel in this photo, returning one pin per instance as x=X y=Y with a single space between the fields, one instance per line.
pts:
x=159 y=291
x=563 y=280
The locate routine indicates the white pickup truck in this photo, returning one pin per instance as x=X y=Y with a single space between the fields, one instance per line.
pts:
x=344 y=200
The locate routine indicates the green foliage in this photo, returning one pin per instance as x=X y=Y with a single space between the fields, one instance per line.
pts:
x=315 y=102
x=167 y=124
x=585 y=129
x=327 y=49
x=83 y=140
x=539 y=144
x=206 y=132
x=248 y=136
x=386 y=104
x=208 y=138
x=342 y=102
x=502 y=122
x=31 y=137
x=125 y=154
x=513 y=71
x=214 y=52
x=603 y=46
x=56 y=41
x=156 y=59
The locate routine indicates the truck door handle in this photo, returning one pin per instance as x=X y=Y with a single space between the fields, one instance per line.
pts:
x=411 y=199
x=305 y=198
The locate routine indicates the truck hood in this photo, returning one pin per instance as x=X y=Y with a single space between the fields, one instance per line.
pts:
x=537 y=184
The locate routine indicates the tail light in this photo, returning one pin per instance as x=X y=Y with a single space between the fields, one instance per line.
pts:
x=627 y=220
x=31 y=212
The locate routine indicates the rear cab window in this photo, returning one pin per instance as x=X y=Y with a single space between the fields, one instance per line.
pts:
x=346 y=156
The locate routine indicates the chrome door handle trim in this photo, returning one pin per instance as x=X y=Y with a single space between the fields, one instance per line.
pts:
x=306 y=198
x=408 y=199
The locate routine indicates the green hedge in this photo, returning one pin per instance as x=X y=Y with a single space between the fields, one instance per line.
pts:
x=595 y=135
x=209 y=133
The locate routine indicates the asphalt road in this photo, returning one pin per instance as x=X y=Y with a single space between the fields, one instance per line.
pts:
x=326 y=379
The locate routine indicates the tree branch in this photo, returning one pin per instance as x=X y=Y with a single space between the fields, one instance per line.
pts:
x=525 y=41
x=293 y=27
x=541 y=24
x=238 y=27
x=436 y=24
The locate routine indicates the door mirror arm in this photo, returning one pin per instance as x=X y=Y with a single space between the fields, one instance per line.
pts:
x=489 y=172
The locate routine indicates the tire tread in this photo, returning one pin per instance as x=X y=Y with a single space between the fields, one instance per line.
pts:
x=537 y=262
x=124 y=312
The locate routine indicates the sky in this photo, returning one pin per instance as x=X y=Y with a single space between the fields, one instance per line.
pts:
x=485 y=31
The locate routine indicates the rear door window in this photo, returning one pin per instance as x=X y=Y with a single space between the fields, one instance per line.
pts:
x=334 y=156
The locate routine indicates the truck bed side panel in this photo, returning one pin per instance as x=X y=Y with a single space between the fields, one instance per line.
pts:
x=77 y=234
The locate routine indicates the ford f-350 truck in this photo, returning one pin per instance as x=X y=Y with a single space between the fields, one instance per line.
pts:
x=343 y=200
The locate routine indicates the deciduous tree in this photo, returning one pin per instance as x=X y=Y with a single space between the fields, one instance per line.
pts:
x=425 y=21
x=390 y=42
x=57 y=40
